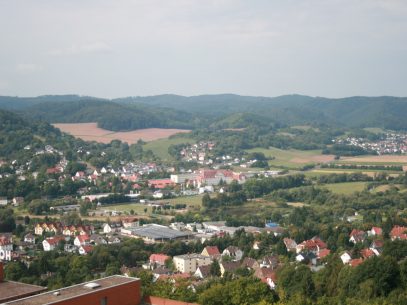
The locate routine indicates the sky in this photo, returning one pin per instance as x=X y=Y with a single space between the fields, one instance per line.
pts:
x=118 y=48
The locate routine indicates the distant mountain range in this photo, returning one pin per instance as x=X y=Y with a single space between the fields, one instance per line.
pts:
x=216 y=111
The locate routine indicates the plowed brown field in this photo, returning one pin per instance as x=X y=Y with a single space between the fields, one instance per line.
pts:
x=91 y=132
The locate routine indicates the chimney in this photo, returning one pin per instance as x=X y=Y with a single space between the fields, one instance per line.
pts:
x=1 y=272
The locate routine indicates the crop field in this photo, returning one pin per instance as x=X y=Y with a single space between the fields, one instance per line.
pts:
x=383 y=159
x=292 y=158
x=345 y=188
x=91 y=132
x=160 y=147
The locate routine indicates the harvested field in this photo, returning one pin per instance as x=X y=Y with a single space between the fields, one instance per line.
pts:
x=378 y=159
x=91 y=132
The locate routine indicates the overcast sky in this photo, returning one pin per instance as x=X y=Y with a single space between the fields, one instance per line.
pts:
x=116 y=48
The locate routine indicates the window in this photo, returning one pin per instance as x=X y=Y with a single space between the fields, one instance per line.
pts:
x=103 y=301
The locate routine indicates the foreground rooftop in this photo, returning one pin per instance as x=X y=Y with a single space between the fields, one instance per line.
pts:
x=74 y=291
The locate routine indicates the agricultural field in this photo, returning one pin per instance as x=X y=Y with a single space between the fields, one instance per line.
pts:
x=91 y=132
x=293 y=158
x=160 y=147
x=376 y=160
x=345 y=188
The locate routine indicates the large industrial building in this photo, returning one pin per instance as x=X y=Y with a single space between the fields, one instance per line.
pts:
x=112 y=290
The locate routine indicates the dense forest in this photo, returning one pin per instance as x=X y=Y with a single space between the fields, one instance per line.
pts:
x=216 y=111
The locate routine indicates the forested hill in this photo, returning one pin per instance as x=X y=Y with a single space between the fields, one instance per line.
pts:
x=112 y=116
x=385 y=112
x=17 y=133
x=218 y=111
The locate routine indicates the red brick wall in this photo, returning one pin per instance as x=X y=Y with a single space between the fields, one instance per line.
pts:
x=161 y=301
x=126 y=294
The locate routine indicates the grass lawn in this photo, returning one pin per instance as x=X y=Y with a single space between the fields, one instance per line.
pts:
x=291 y=158
x=345 y=188
x=160 y=147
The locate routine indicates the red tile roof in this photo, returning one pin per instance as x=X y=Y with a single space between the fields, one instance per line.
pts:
x=356 y=262
x=398 y=232
x=366 y=253
x=159 y=258
x=212 y=250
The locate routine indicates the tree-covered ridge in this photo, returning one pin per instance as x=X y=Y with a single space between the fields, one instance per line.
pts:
x=218 y=111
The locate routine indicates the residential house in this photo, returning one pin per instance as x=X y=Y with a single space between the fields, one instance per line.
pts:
x=51 y=243
x=29 y=238
x=321 y=254
x=158 y=259
x=276 y=230
x=346 y=257
x=375 y=231
x=203 y=272
x=53 y=227
x=377 y=247
x=268 y=276
x=355 y=262
x=160 y=183
x=17 y=201
x=211 y=251
x=357 y=236
x=96 y=239
x=81 y=240
x=6 y=242
x=229 y=267
x=290 y=244
x=85 y=249
x=312 y=245
x=309 y=257
x=270 y=261
x=130 y=222
x=234 y=252
x=367 y=253
x=111 y=227
x=398 y=232
x=113 y=240
x=188 y=263
x=250 y=263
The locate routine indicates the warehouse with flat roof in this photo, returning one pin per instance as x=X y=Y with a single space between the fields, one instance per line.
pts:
x=152 y=233
x=10 y=290
x=112 y=290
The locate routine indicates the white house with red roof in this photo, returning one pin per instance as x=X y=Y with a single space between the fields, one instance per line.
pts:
x=85 y=249
x=375 y=231
x=290 y=244
x=6 y=242
x=81 y=240
x=312 y=245
x=158 y=259
x=357 y=236
x=211 y=251
x=50 y=244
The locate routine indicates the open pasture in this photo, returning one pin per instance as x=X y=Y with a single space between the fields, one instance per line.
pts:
x=293 y=158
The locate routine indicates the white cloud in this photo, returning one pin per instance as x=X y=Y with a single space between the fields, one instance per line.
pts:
x=75 y=49
x=27 y=68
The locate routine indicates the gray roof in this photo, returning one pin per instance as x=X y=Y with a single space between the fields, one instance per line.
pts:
x=154 y=231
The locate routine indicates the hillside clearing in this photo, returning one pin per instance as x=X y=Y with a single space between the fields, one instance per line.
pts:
x=91 y=132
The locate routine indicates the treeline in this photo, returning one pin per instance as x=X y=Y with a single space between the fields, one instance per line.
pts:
x=259 y=187
x=397 y=168
x=236 y=198
x=346 y=150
